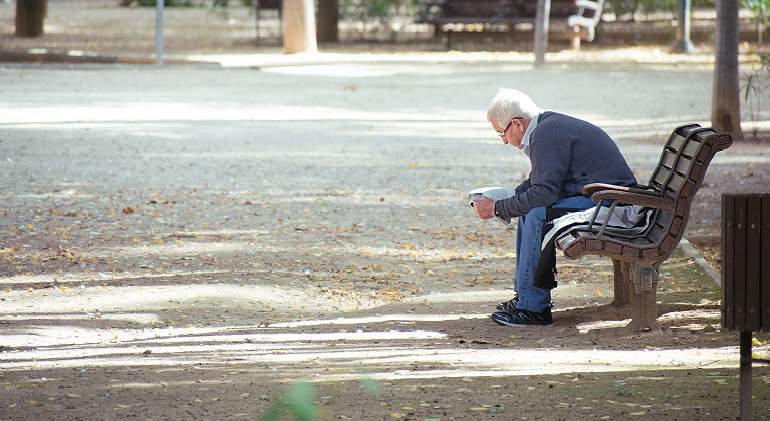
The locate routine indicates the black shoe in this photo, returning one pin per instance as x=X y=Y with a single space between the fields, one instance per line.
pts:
x=509 y=305
x=522 y=317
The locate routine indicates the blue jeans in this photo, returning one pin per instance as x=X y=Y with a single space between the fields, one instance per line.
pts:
x=529 y=236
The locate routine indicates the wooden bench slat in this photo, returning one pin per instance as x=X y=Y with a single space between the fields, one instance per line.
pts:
x=765 y=259
x=728 y=262
x=739 y=270
x=753 y=237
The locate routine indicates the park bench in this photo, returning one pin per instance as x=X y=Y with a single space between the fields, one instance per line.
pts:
x=636 y=258
x=454 y=16
x=746 y=277
x=583 y=23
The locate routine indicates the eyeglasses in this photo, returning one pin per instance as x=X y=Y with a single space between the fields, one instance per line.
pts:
x=502 y=134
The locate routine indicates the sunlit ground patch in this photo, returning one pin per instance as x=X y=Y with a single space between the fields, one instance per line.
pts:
x=584 y=328
x=71 y=278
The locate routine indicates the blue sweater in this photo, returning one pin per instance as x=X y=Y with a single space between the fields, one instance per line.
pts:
x=566 y=154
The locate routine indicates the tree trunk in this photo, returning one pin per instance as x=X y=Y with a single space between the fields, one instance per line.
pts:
x=299 y=26
x=542 y=16
x=30 y=15
x=328 y=16
x=725 y=100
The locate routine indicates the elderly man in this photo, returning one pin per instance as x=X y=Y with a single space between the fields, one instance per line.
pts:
x=566 y=153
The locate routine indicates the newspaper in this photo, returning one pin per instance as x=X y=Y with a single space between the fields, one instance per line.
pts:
x=492 y=193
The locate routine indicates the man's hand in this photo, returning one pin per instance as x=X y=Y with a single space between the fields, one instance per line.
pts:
x=484 y=207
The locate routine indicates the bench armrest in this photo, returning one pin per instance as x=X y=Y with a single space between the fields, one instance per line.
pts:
x=592 y=188
x=633 y=198
x=588 y=4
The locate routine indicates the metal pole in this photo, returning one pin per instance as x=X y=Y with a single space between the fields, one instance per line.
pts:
x=745 y=376
x=159 y=32
x=683 y=43
x=257 y=12
x=541 y=30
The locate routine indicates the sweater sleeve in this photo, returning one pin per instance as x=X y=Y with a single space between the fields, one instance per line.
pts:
x=550 y=159
x=521 y=188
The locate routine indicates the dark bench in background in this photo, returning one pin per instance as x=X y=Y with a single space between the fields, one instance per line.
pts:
x=671 y=190
x=746 y=277
x=452 y=16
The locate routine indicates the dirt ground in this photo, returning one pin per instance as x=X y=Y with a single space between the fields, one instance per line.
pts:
x=190 y=241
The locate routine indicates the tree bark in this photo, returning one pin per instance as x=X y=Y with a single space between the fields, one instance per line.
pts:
x=542 y=16
x=725 y=99
x=299 y=26
x=328 y=17
x=30 y=15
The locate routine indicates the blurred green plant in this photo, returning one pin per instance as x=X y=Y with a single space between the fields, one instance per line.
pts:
x=379 y=9
x=760 y=19
x=299 y=401
x=623 y=9
x=626 y=9
x=755 y=84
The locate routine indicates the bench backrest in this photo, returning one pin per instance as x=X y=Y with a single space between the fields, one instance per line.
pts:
x=479 y=8
x=503 y=8
x=678 y=177
x=559 y=8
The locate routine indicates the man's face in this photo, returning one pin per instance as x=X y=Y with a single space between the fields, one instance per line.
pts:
x=511 y=132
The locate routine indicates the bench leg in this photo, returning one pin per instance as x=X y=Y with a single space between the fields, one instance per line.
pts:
x=643 y=306
x=576 y=38
x=623 y=292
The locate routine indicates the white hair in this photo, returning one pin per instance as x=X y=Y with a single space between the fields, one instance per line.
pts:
x=509 y=104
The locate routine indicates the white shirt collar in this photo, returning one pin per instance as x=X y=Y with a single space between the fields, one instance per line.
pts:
x=528 y=133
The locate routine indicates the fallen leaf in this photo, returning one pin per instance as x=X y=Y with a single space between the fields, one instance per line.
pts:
x=61 y=212
x=481 y=280
x=391 y=295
